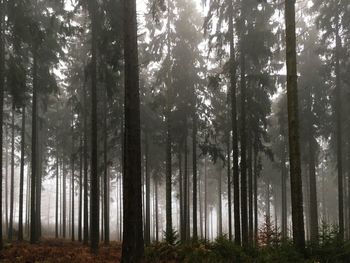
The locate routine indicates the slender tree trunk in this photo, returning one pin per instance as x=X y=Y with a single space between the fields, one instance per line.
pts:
x=106 y=178
x=312 y=180
x=205 y=200
x=256 y=172
x=229 y=202
x=168 y=182
x=64 y=197
x=186 y=197
x=33 y=236
x=2 y=87
x=94 y=196
x=284 y=191
x=6 y=178
x=236 y=198
x=219 y=203
x=12 y=189
x=80 y=217
x=293 y=127
x=148 y=197
x=194 y=165
x=250 y=192
x=339 y=135
x=21 y=180
x=72 y=186
x=181 y=193
x=133 y=235
x=86 y=185
x=57 y=192
x=200 y=204
x=157 y=221
x=244 y=203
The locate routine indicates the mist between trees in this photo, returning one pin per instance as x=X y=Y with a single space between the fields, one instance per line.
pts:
x=177 y=120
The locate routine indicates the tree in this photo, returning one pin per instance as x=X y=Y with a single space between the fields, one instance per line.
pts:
x=132 y=250
x=2 y=87
x=94 y=212
x=293 y=128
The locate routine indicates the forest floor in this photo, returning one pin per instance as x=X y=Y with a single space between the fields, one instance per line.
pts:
x=58 y=251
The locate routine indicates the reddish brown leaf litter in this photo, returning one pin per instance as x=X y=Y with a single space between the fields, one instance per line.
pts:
x=58 y=251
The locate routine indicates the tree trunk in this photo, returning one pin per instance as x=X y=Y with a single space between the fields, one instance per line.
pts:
x=229 y=202
x=339 y=136
x=219 y=203
x=236 y=197
x=80 y=217
x=72 y=186
x=250 y=192
x=94 y=195
x=293 y=128
x=2 y=87
x=244 y=210
x=194 y=165
x=64 y=197
x=106 y=178
x=168 y=161
x=86 y=185
x=57 y=192
x=205 y=200
x=12 y=189
x=256 y=172
x=133 y=235
x=21 y=180
x=33 y=231
x=148 y=197
x=284 y=191
x=186 y=192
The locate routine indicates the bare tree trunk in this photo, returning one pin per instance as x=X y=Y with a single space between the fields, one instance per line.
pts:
x=293 y=127
x=12 y=189
x=219 y=203
x=133 y=235
x=2 y=87
x=94 y=195
x=80 y=217
x=21 y=180
x=106 y=178
x=236 y=198
x=194 y=165
x=148 y=190
x=57 y=192
x=33 y=236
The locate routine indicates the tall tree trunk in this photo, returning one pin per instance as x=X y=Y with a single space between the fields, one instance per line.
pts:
x=157 y=222
x=219 y=203
x=181 y=193
x=339 y=135
x=194 y=166
x=168 y=201
x=33 y=231
x=229 y=202
x=312 y=179
x=2 y=88
x=236 y=197
x=105 y=172
x=200 y=204
x=12 y=189
x=244 y=210
x=94 y=195
x=64 y=200
x=206 y=234
x=250 y=192
x=86 y=184
x=80 y=217
x=21 y=179
x=186 y=192
x=148 y=196
x=256 y=171
x=6 y=178
x=293 y=128
x=57 y=191
x=284 y=191
x=133 y=236
x=72 y=186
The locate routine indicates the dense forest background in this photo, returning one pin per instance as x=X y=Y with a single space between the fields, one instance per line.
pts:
x=175 y=121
